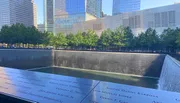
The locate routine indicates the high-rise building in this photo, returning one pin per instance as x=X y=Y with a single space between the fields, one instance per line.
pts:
x=122 y=6
x=16 y=11
x=60 y=15
x=49 y=15
x=35 y=15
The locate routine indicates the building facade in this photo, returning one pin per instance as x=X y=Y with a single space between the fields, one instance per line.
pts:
x=16 y=11
x=123 y=6
x=49 y=15
x=41 y=27
x=35 y=15
x=159 y=18
x=60 y=15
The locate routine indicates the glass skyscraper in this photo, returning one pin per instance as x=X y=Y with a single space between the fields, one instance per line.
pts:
x=16 y=11
x=60 y=15
x=122 y=6
x=48 y=15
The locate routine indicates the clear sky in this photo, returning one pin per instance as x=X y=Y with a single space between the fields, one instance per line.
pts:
x=107 y=6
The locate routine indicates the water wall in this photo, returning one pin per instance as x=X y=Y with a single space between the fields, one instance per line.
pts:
x=128 y=63
x=170 y=75
x=25 y=58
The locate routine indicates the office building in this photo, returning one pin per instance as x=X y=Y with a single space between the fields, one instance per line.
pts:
x=35 y=15
x=49 y=15
x=60 y=15
x=159 y=18
x=16 y=11
x=123 y=6
x=41 y=27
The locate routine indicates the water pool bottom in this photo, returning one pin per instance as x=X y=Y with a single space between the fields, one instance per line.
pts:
x=103 y=76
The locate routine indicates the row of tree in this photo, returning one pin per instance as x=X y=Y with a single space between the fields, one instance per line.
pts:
x=19 y=34
x=120 y=38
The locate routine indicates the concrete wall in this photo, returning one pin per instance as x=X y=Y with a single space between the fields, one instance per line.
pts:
x=129 y=63
x=170 y=75
x=138 y=21
x=96 y=25
x=89 y=17
x=24 y=58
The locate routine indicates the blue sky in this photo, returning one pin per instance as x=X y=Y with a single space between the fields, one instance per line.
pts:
x=107 y=6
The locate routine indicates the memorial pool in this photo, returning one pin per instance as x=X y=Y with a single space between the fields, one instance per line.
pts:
x=36 y=87
x=102 y=76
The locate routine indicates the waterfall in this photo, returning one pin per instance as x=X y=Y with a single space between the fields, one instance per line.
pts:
x=170 y=75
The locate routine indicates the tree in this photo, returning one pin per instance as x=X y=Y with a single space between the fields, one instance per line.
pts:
x=36 y=37
x=142 y=40
x=152 y=38
x=90 y=39
x=106 y=38
x=118 y=37
x=5 y=37
x=178 y=40
x=149 y=39
x=18 y=33
x=168 y=39
x=72 y=40
x=129 y=41
x=136 y=42
x=59 y=40
x=47 y=38
x=177 y=37
x=80 y=38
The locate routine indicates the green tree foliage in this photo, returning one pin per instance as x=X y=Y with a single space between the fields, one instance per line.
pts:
x=59 y=40
x=142 y=40
x=149 y=39
x=76 y=40
x=118 y=37
x=90 y=39
x=47 y=38
x=72 y=40
x=153 y=38
x=5 y=34
x=121 y=37
x=80 y=39
x=168 y=38
x=106 y=38
x=18 y=33
x=178 y=39
x=129 y=41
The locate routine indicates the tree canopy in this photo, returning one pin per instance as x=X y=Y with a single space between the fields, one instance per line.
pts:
x=121 y=37
x=18 y=33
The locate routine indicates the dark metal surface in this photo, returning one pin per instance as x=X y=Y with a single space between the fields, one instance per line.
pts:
x=8 y=98
x=116 y=93
x=49 y=88
x=44 y=88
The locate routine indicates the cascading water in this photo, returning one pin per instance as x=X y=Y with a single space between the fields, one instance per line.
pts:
x=169 y=79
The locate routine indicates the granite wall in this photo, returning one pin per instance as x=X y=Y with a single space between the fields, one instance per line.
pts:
x=170 y=75
x=25 y=58
x=129 y=63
